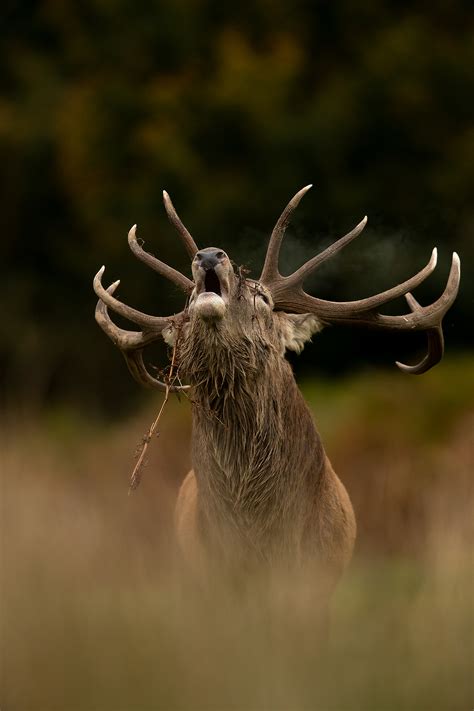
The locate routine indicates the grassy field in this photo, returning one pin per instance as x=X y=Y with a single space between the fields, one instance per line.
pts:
x=96 y=615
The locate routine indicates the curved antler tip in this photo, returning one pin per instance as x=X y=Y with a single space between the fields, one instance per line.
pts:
x=111 y=289
x=358 y=228
x=454 y=274
x=169 y=207
x=294 y=202
x=132 y=233
x=301 y=193
x=434 y=257
x=403 y=367
x=417 y=369
x=97 y=281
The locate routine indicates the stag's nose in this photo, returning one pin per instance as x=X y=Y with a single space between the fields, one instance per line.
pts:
x=210 y=257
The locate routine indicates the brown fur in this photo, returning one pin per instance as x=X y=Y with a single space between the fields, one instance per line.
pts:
x=262 y=491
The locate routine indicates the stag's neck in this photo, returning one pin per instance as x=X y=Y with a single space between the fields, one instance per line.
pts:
x=256 y=452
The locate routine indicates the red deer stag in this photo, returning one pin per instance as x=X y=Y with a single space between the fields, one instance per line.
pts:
x=262 y=487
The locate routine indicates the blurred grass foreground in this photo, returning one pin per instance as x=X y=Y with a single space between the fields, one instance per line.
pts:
x=96 y=616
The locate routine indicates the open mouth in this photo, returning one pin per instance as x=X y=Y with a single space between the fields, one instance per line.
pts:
x=210 y=297
x=212 y=283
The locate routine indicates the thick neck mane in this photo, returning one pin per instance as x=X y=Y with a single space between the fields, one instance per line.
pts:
x=256 y=451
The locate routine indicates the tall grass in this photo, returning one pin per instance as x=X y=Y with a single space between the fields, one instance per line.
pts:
x=97 y=615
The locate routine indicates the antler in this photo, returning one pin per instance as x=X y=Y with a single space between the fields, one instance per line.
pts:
x=132 y=343
x=288 y=293
x=172 y=274
x=189 y=243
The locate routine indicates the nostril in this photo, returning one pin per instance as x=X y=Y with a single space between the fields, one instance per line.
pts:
x=209 y=258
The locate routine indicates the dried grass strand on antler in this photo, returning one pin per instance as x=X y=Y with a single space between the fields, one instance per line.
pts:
x=136 y=475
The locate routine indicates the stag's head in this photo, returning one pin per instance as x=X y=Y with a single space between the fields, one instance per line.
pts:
x=252 y=318
x=227 y=309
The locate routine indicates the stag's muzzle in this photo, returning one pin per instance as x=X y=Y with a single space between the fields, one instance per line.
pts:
x=212 y=273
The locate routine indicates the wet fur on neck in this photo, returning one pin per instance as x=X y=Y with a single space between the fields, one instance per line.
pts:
x=247 y=408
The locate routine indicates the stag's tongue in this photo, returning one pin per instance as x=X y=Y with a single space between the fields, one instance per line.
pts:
x=210 y=306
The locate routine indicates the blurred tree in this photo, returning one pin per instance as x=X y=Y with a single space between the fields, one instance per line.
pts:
x=106 y=102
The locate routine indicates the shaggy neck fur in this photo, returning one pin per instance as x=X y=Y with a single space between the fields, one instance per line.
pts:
x=256 y=453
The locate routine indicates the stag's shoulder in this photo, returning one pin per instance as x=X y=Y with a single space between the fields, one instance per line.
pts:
x=334 y=520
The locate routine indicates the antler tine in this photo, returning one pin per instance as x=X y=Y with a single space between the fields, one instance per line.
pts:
x=290 y=296
x=270 y=270
x=123 y=339
x=157 y=265
x=134 y=361
x=435 y=340
x=309 y=267
x=189 y=243
x=131 y=344
x=153 y=323
x=430 y=318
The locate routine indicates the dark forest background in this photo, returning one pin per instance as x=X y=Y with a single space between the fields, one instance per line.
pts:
x=106 y=102
x=232 y=108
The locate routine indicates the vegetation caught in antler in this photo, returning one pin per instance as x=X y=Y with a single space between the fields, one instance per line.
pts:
x=171 y=377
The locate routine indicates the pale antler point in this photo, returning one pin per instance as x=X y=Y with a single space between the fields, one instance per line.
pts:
x=111 y=289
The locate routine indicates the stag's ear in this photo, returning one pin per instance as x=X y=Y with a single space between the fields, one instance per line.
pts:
x=297 y=329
